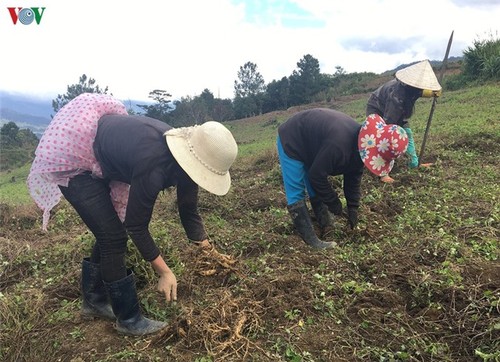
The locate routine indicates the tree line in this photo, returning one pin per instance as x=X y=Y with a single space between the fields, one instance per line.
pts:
x=252 y=96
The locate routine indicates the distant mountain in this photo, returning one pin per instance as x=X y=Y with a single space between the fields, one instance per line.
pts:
x=21 y=108
x=35 y=123
x=436 y=64
x=12 y=115
x=25 y=112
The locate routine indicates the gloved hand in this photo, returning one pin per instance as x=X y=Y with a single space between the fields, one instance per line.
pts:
x=427 y=93
x=413 y=162
x=352 y=216
x=410 y=151
x=336 y=207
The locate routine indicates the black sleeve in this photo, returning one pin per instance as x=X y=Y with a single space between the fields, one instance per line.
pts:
x=187 y=201
x=393 y=109
x=352 y=187
x=142 y=197
x=318 y=174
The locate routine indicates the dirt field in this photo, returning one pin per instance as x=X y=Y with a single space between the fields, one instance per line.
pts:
x=418 y=281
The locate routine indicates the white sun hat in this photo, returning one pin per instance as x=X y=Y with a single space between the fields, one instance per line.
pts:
x=419 y=75
x=205 y=152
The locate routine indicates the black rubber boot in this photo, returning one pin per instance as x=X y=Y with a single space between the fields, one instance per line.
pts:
x=302 y=222
x=95 y=297
x=129 y=318
x=321 y=212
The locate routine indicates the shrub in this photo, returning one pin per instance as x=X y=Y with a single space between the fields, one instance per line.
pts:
x=482 y=60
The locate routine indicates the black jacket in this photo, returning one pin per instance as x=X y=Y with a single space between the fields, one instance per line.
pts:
x=133 y=150
x=388 y=102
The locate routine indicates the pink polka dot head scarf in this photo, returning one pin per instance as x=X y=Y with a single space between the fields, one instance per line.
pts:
x=379 y=144
x=65 y=150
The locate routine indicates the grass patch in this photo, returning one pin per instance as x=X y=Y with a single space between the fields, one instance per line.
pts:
x=13 y=189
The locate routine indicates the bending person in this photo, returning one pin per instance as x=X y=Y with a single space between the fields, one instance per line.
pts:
x=317 y=143
x=111 y=167
x=395 y=102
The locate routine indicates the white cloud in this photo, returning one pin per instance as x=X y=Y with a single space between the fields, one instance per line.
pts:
x=186 y=46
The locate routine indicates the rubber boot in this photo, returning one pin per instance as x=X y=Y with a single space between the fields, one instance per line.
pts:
x=321 y=212
x=95 y=302
x=129 y=318
x=302 y=222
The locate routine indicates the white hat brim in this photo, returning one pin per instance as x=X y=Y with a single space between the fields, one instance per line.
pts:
x=200 y=174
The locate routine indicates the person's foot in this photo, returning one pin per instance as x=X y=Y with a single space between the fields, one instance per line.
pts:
x=387 y=179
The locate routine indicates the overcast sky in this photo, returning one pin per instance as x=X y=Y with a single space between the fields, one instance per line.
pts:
x=186 y=46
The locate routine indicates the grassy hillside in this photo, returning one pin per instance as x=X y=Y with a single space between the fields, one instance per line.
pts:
x=419 y=280
x=13 y=189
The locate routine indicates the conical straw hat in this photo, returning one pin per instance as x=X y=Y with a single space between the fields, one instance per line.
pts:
x=419 y=75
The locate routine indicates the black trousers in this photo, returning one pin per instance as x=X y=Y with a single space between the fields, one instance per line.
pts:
x=91 y=199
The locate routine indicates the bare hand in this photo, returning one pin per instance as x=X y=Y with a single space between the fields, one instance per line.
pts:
x=167 y=285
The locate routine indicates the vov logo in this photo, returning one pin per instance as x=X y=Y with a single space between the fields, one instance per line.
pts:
x=26 y=15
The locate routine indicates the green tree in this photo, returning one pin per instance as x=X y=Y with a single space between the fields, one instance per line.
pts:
x=85 y=85
x=189 y=111
x=277 y=94
x=249 y=91
x=223 y=110
x=306 y=81
x=245 y=107
x=27 y=138
x=339 y=71
x=17 y=146
x=250 y=82
x=217 y=109
x=199 y=109
x=161 y=109
x=9 y=133
x=208 y=99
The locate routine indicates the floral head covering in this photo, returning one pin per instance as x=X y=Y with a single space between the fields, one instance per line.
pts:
x=379 y=144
